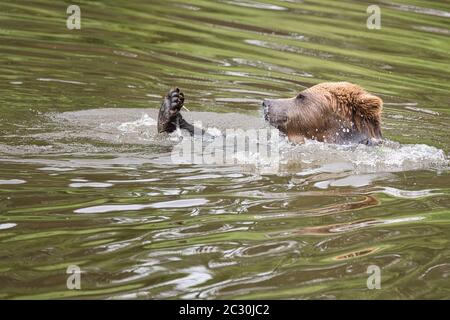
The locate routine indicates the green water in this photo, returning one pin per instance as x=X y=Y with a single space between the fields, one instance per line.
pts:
x=139 y=226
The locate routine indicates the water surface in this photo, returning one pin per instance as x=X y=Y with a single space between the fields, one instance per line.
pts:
x=84 y=179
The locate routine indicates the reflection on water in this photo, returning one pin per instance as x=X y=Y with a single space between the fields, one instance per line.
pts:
x=85 y=180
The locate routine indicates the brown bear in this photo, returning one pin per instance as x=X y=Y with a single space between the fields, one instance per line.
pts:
x=333 y=112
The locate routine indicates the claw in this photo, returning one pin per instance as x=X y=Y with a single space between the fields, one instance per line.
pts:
x=170 y=109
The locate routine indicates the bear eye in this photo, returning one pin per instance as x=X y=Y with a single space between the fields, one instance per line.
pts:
x=300 y=96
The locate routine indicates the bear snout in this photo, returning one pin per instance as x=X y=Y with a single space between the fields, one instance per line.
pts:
x=275 y=114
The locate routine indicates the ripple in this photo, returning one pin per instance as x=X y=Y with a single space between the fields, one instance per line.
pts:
x=257 y=5
x=90 y=185
x=346 y=227
x=328 y=168
x=423 y=110
x=134 y=181
x=194 y=250
x=61 y=81
x=125 y=54
x=267 y=66
x=238 y=100
x=195 y=276
x=211 y=176
x=422 y=10
x=270 y=248
x=356 y=254
x=180 y=203
x=369 y=223
x=12 y=181
x=354 y=181
x=441 y=271
x=273 y=45
x=58 y=169
x=433 y=29
x=136 y=207
x=4 y=226
x=409 y=194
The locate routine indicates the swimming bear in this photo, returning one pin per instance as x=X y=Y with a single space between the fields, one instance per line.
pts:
x=332 y=112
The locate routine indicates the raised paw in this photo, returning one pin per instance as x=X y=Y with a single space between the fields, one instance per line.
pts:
x=176 y=100
x=169 y=111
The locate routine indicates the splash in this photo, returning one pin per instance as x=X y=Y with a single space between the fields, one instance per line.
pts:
x=388 y=157
x=133 y=133
x=314 y=157
x=136 y=126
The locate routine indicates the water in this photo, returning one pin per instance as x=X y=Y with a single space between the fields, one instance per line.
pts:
x=84 y=179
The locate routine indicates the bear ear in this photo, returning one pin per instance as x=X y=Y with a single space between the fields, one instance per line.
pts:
x=367 y=115
x=369 y=105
